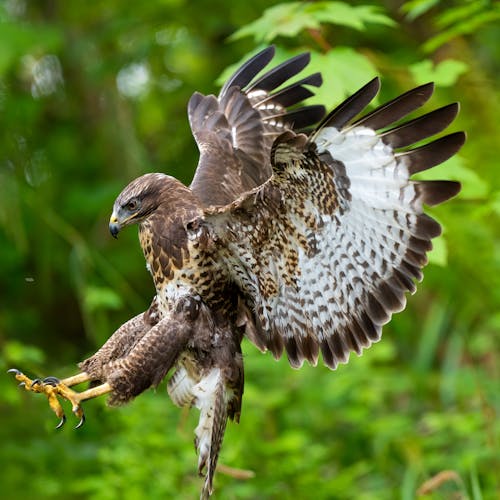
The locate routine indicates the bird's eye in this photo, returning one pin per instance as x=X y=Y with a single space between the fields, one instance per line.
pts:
x=132 y=205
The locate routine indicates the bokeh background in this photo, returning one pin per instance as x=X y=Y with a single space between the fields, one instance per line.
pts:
x=93 y=94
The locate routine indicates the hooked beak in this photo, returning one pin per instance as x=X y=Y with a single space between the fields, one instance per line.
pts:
x=114 y=226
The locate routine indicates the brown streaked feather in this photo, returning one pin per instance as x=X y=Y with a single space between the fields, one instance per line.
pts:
x=139 y=354
x=255 y=116
x=121 y=343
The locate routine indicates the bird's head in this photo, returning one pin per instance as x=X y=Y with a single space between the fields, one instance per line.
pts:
x=138 y=201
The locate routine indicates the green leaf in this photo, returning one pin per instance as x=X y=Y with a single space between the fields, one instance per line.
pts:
x=443 y=74
x=458 y=13
x=417 y=8
x=343 y=14
x=468 y=26
x=344 y=70
x=289 y=19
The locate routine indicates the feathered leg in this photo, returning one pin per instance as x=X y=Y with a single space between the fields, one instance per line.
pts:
x=117 y=346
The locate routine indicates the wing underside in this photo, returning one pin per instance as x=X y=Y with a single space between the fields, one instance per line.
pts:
x=326 y=249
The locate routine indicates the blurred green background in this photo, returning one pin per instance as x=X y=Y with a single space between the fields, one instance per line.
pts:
x=93 y=94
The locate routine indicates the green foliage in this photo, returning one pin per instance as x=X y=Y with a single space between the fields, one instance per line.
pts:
x=443 y=74
x=289 y=19
x=92 y=97
x=461 y=18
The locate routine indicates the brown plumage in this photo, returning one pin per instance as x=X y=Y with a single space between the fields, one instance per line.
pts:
x=302 y=242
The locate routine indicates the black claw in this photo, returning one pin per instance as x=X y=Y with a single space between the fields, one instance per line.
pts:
x=82 y=421
x=36 y=382
x=14 y=370
x=21 y=384
x=53 y=381
x=62 y=422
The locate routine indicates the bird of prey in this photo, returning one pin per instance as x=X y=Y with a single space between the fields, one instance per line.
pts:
x=299 y=231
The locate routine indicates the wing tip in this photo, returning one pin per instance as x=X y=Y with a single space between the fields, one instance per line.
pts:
x=433 y=193
x=249 y=69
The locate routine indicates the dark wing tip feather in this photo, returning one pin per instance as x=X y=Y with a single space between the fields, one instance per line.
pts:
x=315 y=80
x=296 y=92
x=279 y=74
x=405 y=280
x=302 y=348
x=305 y=116
x=426 y=228
x=275 y=344
x=432 y=154
x=435 y=192
x=397 y=108
x=421 y=128
x=352 y=106
x=249 y=70
x=328 y=356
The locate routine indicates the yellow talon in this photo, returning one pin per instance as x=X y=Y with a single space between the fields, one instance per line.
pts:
x=52 y=387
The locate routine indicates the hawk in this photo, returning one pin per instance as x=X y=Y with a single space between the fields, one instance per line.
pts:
x=301 y=232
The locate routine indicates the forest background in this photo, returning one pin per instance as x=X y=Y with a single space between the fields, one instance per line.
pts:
x=93 y=95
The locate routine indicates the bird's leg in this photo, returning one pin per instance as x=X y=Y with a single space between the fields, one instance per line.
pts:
x=52 y=387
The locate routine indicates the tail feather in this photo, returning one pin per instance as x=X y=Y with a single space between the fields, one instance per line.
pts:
x=212 y=402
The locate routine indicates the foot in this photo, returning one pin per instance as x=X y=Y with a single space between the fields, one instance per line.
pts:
x=52 y=387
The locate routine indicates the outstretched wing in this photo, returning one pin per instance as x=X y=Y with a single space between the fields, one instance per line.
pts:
x=235 y=130
x=325 y=250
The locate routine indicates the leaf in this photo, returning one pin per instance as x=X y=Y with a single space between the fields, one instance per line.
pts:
x=458 y=13
x=289 y=19
x=443 y=74
x=344 y=71
x=468 y=26
x=347 y=15
x=416 y=8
